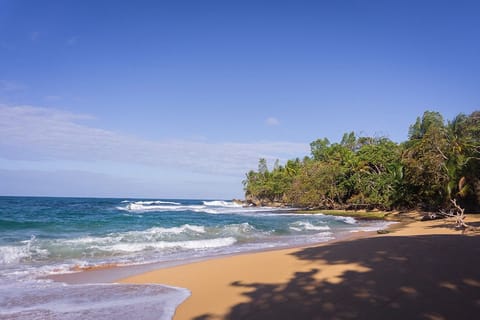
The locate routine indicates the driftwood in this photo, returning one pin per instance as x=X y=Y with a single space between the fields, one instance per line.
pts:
x=458 y=213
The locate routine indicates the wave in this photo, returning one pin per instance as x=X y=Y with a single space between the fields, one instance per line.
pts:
x=348 y=220
x=244 y=232
x=240 y=228
x=152 y=234
x=307 y=226
x=13 y=254
x=142 y=207
x=157 y=202
x=225 y=204
x=178 y=230
x=171 y=239
x=191 y=245
x=323 y=236
x=375 y=227
x=211 y=207
x=16 y=253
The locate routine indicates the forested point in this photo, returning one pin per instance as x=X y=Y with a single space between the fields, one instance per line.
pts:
x=439 y=162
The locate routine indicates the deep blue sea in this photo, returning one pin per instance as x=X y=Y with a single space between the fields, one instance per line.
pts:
x=41 y=236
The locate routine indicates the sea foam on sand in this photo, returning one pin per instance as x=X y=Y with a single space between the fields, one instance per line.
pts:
x=46 y=300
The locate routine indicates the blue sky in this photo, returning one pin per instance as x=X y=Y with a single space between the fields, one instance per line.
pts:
x=180 y=98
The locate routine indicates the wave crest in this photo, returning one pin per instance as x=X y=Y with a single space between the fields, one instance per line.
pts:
x=220 y=203
x=191 y=245
x=348 y=220
x=212 y=207
x=307 y=226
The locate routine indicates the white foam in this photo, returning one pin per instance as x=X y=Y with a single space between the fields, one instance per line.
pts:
x=219 y=203
x=83 y=240
x=240 y=210
x=178 y=230
x=191 y=245
x=100 y=301
x=349 y=220
x=156 y=202
x=13 y=254
x=240 y=228
x=159 y=231
x=366 y=229
x=211 y=207
x=142 y=206
x=243 y=231
x=324 y=236
x=295 y=229
x=100 y=246
x=152 y=234
x=375 y=227
x=307 y=226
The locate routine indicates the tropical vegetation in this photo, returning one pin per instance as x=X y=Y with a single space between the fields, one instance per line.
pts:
x=439 y=162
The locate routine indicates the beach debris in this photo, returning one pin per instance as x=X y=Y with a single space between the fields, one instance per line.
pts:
x=433 y=216
x=383 y=231
x=457 y=212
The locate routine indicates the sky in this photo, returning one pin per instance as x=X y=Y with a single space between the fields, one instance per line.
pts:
x=179 y=99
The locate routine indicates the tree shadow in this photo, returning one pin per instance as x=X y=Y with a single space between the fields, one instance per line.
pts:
x=424 y=277
x=473 y=227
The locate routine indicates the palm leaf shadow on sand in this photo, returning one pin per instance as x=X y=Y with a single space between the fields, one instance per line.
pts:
x=424 y=277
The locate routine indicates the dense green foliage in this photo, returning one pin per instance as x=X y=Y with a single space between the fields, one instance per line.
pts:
x=439 y=161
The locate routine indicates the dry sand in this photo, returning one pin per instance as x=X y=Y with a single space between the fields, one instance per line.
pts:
x=423 y=270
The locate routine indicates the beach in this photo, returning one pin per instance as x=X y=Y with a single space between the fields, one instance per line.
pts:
x=420 y=270
x=77 y=258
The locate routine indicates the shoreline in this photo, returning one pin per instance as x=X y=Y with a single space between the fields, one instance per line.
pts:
x=230 y=286
x=113 y=273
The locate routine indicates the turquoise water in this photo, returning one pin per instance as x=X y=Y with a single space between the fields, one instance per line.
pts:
x=42 y=236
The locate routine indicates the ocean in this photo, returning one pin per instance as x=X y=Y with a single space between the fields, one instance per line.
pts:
x=42 y=236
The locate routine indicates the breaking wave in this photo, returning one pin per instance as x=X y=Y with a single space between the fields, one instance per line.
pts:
x=218 y=203
x=307 y=226
x=191 y=245
x=158 y=205
x=348 y=220
x=212 y=207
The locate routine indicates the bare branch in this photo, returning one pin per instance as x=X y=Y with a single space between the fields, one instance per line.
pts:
x=458 y=213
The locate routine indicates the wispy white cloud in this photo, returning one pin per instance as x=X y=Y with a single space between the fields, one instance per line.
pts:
x=33 y=133
x=272 y=121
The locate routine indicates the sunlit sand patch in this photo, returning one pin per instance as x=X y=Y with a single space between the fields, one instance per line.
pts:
x=449 y=285
x=409 y=291
x=472 y=282
x=334 y=274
